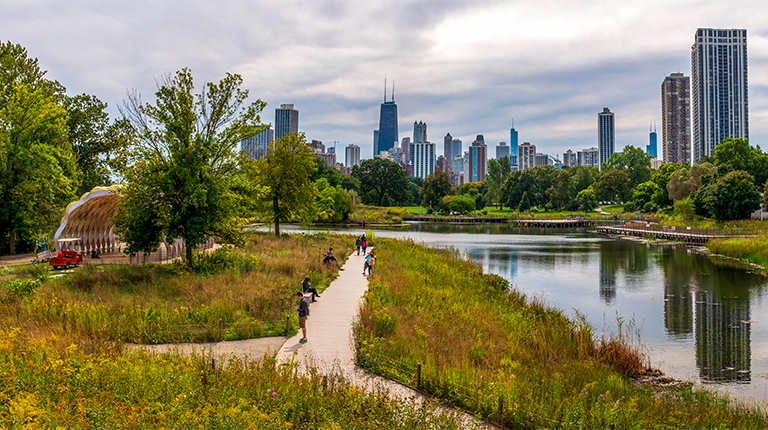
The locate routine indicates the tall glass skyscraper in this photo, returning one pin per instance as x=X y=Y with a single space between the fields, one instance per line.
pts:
x=606 y=135
x=388 y=135
x=456 y=148
x=513 y=146
x=719 y=88
x=256 y=145
x=650 y=149
x=286 y=120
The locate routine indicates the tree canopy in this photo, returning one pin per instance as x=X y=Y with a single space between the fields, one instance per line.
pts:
x=733 y=196
x=436 y=186
x=740 y=155
x=633 y=161
x=182 y=178
x=382 y=181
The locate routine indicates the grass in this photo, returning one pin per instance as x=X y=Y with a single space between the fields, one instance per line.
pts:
x=49 y=385
x=363 y=215
x=753 y=249
x=480 y=343
x=250 y=290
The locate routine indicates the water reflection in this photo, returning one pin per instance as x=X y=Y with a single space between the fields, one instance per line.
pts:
x=722 y=337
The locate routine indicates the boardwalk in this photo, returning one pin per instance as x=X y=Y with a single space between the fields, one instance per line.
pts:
x=694 y=238
x=573 y=222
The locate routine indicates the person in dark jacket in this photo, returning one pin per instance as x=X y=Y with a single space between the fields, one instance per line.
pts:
x=306 y=287
x=303 y=310
x=359 y=243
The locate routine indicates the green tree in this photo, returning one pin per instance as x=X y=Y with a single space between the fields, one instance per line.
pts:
x=614 y=185
x=685 y=181
x=733 y=196
x=644 y=193
x=587 y=200
x=415 y=187
x=498 y=171
x=459 y=204
x=380 y=178
x=331 y=204
x=561 y=194
x=661 y=178
x=436 y=186
x=741 y=156
x=38 y=175
x=285 y=173
x=525 y=202
x=330 y=173
x=94 y=141
x=633 y=161
x=583 y=177
x=684 y=209
x=185 y=174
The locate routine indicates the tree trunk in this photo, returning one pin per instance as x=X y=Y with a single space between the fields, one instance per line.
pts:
x=277 y=215
x=190 y=251
x=13 y=242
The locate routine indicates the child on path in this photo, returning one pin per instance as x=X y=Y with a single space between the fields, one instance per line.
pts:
x=370 y=260
x=303 y=310
x=306 y=287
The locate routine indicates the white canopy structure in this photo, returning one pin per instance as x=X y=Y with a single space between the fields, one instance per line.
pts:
x=89 y=219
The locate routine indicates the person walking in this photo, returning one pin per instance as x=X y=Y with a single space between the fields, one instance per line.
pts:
x=371 y=262
x=306 y=287
x=303 y=310
x=365 y=245
x=359 y=243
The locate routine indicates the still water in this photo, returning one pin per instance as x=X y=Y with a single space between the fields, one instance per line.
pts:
x=700 y=319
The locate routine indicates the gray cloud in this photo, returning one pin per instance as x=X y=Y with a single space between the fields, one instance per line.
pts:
x=463 y=67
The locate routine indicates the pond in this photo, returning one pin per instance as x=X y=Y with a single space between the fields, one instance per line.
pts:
x=699 y=318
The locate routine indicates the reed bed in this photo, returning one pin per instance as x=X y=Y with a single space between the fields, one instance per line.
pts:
x=45 y=386
x=433 y=319
x=231 y=294
x=752 y=249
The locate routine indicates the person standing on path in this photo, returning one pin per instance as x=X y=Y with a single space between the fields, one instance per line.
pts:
x=359 y=243
x=306 y=287
x=303 y=309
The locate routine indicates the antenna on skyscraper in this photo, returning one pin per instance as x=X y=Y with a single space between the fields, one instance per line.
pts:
x=385 y=87
x=393 y=90
x=513 y=123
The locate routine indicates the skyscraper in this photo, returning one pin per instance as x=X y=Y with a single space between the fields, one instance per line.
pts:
x=676 y=118
x=478 y=161
x=256 y=145
x=405 y=145
x=352 y=155
x=650 y=149
x=588 y=157
x=569 y=158
x=502 y=150
x=422 y=159
x=388 y=134
x=513 y=146
x=526 y=156
x=456 y=148
x=448 y=153
x=606 y=135
x=719 y=88
x=286 y=120
x=419 y=132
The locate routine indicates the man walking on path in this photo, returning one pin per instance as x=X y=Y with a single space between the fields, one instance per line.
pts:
x=303 y=309
x=359 y=243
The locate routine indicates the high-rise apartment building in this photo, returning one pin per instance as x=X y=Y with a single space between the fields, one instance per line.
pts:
x=569 y=158
x=502 y=150
x=405 y=145
x=478 y=161
x=513 y=146
x=419 y=132
x=352 y=155
x=286 y=120
x=606 y=135
x=388 y=134
x=422 y=159
x=542 y=159
x=256 y=145
x=447 y=154
x=676 y=119
x=588 y=157
x=526 y=156
x=719 y=88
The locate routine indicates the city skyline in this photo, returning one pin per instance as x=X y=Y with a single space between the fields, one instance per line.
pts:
x=549 y=66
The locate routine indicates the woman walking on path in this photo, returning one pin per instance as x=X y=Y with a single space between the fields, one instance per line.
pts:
x=365 y=245
x=306 y=287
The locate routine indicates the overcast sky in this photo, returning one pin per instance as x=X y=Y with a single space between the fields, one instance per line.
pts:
x=464 y=68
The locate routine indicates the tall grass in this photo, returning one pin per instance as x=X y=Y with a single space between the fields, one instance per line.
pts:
x=480 y=342
x=47 y=386
x=753 y=249
x=249 y=290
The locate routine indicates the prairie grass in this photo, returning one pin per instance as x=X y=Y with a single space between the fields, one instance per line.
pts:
x=250 y=290
x=47 y=386
x=479 y=343
x=752 y=249
x=363 y=214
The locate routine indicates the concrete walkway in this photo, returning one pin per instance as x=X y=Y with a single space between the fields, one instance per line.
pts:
x=330 y=344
